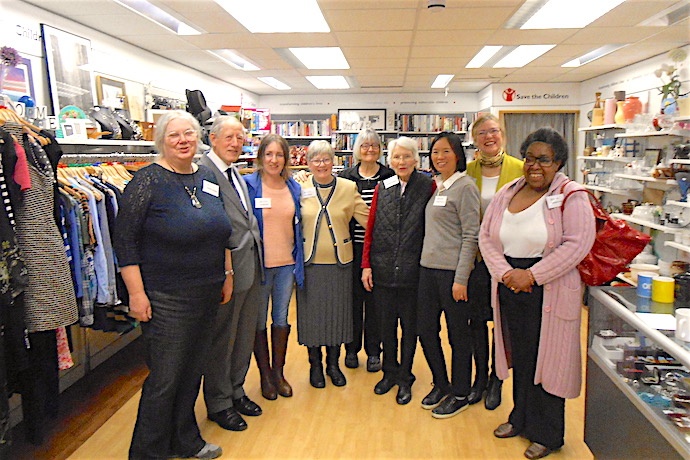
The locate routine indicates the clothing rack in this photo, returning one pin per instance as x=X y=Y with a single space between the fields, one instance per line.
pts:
x=85 y=158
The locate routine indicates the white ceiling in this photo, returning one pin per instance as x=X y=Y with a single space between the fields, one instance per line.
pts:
x=394 y=46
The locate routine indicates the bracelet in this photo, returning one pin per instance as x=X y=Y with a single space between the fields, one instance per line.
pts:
x=230 y=272
x=531 y=277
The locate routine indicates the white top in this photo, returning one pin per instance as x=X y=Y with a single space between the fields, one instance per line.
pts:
x=489 y=185
x=524 y=234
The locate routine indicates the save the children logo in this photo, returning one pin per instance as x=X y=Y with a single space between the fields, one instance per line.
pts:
x=509 y=94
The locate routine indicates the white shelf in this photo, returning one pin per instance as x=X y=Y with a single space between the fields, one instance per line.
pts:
x=647 y=179
x=645 y=223
x=325 y=138
x=673 y=244
x=677 y=133
x=63 y=141
x=612 y=191
x=425 y=133
x=679 y=161
x=602 y=127
x=596 y=158
x=684 y=204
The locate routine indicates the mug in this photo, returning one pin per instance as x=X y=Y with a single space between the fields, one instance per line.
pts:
x=644 y=284
x=683 y=324
x=663 y=289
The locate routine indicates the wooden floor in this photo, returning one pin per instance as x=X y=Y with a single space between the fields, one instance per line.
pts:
x=350 y=422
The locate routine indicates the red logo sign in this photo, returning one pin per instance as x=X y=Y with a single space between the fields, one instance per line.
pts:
x=509 y=94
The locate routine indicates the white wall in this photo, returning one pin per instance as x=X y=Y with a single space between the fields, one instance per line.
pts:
x=20 y=28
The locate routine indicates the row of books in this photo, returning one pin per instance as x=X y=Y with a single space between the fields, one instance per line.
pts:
x=347 y=141
x=430 y=123
x=302 y=128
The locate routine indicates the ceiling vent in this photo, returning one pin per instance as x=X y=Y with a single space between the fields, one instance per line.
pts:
x=436 y=5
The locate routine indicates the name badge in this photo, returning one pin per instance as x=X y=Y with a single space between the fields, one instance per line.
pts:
x=210 y=188
x=554 y=201
x=391 y=181
x=262 y=203
x=440 y=200
x=308 y=193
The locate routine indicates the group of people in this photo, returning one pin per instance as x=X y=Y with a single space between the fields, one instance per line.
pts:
x=204 y=252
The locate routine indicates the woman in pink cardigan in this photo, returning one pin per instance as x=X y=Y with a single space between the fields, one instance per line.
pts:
x=532 y=249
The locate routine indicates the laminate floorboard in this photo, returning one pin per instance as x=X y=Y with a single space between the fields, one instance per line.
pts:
x=350 y=422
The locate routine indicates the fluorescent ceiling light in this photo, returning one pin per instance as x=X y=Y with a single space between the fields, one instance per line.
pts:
x=482 y=56
x=160 y=17
x=234 y=59
x=277 y=16
x=669 y=16
x=329 y=82
x=321 y=58
x=442 y=81
x=275 y=83
x=560 y=14
x=523 y=55
x=593 y=55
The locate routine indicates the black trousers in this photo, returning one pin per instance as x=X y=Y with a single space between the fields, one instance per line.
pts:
x=539 y=415
x=436 y=296
x=365 y=316
x=398 y=304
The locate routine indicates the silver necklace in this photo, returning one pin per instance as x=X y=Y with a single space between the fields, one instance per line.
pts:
x=192 y=193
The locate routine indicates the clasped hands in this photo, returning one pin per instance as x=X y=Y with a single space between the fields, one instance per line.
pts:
x=518 y=280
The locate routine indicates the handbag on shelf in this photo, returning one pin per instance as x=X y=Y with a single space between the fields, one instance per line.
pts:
x=615 y=246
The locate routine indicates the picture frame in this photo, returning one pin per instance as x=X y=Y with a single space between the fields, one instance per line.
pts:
x=70 y=77
x=652 y=157
x=111 y=93
x=359 y=119
x=19 y=81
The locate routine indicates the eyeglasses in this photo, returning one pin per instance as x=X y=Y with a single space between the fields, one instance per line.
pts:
x=176 y=137
x=543 y=161
x=321 y=161
x=402 y=157
x=376 y=147
x=492 y=131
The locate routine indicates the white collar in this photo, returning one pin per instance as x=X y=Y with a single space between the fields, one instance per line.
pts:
x=446 y=184
x=215 y=159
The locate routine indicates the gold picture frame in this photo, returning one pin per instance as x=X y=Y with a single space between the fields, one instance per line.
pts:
x=111 y=93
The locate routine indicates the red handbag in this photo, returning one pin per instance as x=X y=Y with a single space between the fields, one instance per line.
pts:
x=615 y=246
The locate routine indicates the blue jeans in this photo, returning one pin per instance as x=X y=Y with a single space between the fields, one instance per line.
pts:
x=278 y=287
x=177 y=339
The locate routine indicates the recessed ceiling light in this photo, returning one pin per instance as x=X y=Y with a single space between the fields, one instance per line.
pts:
x=321 y=58
x=275 y=83
x=559 y=14
x=482 y=56
x=593 y=55
x=277 y=16
x=160 y=17
x=523 y=55
x=669 y=16
x=329 y=81
x=234 y=59
x=442 y=80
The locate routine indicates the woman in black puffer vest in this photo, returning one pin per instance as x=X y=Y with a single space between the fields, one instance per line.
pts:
x=392 y=249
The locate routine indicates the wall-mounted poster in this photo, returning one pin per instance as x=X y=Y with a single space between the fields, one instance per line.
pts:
x=70 y=78
x=358 y=119
x=19 y=80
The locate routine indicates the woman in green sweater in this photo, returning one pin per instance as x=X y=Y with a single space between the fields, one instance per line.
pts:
x=492 y=169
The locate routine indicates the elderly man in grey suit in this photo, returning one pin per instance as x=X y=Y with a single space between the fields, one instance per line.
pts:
x=235 y=326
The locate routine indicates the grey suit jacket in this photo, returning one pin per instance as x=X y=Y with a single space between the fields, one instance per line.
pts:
x=246 y=238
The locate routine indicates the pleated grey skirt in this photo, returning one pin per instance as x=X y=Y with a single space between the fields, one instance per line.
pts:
x=324 y=306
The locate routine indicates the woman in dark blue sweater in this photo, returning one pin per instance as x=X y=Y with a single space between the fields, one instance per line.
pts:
x=171 y=241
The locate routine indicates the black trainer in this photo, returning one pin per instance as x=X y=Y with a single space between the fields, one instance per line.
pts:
x=450 y=406
x=433 y=398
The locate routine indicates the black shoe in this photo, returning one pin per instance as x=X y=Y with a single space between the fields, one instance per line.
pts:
x=229 y=419
x=336 y=375
x=404 y=394
x=373 y=364
x=384 y=386
x=246 y=406
x=433 y=398
x=477 y=392
x=351 y=360
x=493 y=393
x=316 y=378
x=450 y=406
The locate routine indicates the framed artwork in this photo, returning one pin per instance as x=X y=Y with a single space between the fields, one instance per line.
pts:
x=70 y=78
x=358 y=119
x=19 y=81
x=111 y=93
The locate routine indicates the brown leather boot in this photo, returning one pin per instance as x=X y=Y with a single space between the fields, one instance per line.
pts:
x=279 y=338
x=268 y=389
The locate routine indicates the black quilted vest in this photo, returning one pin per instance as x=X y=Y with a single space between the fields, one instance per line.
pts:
x=399 y=232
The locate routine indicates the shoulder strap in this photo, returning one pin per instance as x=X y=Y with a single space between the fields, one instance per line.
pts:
x=599 y=211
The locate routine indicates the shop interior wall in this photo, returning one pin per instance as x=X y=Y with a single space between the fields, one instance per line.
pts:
x=113 y=58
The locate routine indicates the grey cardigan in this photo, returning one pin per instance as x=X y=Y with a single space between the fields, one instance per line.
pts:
x=451 y=231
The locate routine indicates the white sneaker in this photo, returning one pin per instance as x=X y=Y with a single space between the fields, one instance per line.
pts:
x=209 y=451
